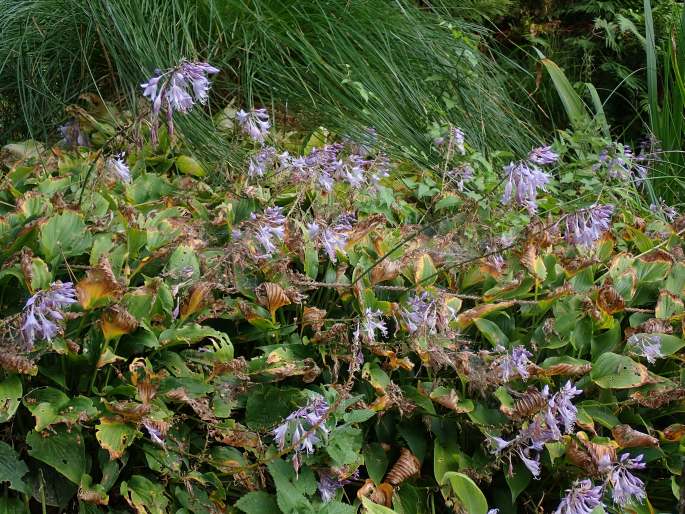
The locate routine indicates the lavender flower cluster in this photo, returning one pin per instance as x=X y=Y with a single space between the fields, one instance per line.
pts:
x=586 y=226
x=524 y=178
x=303 y=429
x=513 y=364
x=371 y=322
x=546 y=426
x=329 y=484
x=333 y=238
x=177 y=89
x=619 y=162
x=271 y=227
x=647 y=345
x=44 y=311
x=118 y=167
x=584 y=497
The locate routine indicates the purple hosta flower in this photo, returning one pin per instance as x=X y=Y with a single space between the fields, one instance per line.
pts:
x=662 y=208
x=458 y=136
x=43 y=312
x=625 y=486
x=119 y=168
x=439 y=141
x=254 y=123
x=154 y=433
x=647 y=345
x=522 y=183
x=562 y=408
x=617 y=160
x=543 y=155
x=586 y=226
x=421 y=314
x=380 y=169
x=493 y=511
x=581 y=499
x=71 y=132
x=531 y=462
x=265 y=157
x=272 y=227
x=329 y=484
x=302 y=429
x=372 y=321
x=514 y=364
x=313 y=230
x=177 y=89
x=461 y=175
x=334 y=238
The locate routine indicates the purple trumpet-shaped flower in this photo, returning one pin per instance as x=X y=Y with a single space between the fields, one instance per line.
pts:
x=522 y=183
x=272 y=227
x=543 y=155
x=581 y=499
x=372 y=321
x=334 y=238
x=619 y=162
x=302 y=429
x=254 y=123
x=155 y=434
x=329 y=484
x=513 y=364
x=458 y=136
x=177 y=89
x=562 y=408
x=119 y=168
x=586 y=226
x=668 y=212
x=265 y=157
x=43 y=311
x=461 y=175
x=625 y=486
x=421 y=314
x=647 y=345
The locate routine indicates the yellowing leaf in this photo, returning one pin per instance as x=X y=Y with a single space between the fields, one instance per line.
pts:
x=115 y=436
x=99 y=286
x=425 y=272
x=466 y=318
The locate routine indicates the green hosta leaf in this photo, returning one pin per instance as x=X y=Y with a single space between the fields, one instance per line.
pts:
x=63 y=449
x=190 y=334
x=491 y=332
x=669 y=344
x=269 y=405
x=257 y=502
x=148 y=187
x=12 y=506
x=358 y=416
x=40 y=276
x=675 y=283
x=468 y=493
x=189 y=166
x=668 y=305
x=51 y=406
x=183 y=259
x=95 y=492
x=613 y=371
x=374 y=508
x=376 y=462
x=145 y=496
x=12 y=469
x=518 y=481
x=115 y=436
x=311 y=261
x=10 y=397
x=64 y=235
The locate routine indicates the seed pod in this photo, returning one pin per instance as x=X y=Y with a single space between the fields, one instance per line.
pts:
x=407 y=466
x=627 y=437
x=14 y=363
x=272 y=296
x=527 y=406
x=568 y=369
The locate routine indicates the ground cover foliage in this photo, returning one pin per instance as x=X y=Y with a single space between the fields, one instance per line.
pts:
x=274 y=282
x=326 y=329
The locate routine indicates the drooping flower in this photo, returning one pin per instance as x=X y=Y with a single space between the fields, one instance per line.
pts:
x=522 y=184
x=265 y=157
x=329 y=484
x=586 y=226
x=619 y=162
x=668 y=212
x=155 y=434
x=119 y=168
x=461 y=175
x=371 y=321
x=272 y=226
x=647 y=345
x=302 y=429
x=43 y=311
x=513 y=364
x=458 y=136
x=625 y=486
x=583 y=498
x=562 y=408
x=334 y=238
x=177 y=89
x=254 y=123
x=543 y=155
x=421 y=314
